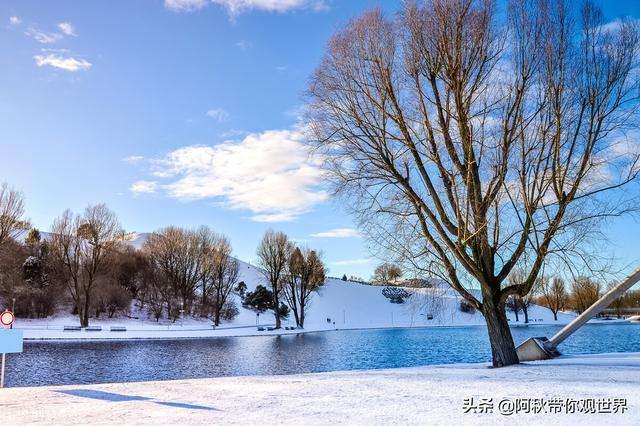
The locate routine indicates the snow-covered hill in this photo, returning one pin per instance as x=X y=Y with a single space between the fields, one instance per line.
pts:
x=354 y=305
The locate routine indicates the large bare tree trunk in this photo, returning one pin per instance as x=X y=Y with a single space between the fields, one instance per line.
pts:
x=503 y=350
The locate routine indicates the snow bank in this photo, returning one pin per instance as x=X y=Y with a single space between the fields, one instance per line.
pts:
x=423 y=395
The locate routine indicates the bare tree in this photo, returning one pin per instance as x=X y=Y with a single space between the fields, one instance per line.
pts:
x=514 y=305
x=386 y=273
x=223 y=276
x=554 y=295
x=468 y=141
x=584 y=293
x=181 y=255
x=305 y=276
x=518 y=302
x=11 y=213
x=82 y=246
x=620 y=303
x=157 y=290
x=273 y=254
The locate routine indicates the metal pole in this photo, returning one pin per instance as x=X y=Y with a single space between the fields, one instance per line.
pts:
x=596 y=308
x=2 y=372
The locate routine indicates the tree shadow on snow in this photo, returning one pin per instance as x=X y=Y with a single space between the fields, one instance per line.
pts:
x=117 y=397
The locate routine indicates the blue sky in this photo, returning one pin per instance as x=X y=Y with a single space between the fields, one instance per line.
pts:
x=182 y=112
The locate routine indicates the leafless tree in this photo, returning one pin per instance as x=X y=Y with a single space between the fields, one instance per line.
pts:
x=181 y=255
x=553 y=294
x=273 y=254
x=305 y=276
x=11 y=213
x=386 y=273
x=518 y=302
x=428 y=302
x=514 y=304
x=620 y=303
x=584 y=293
x=223 y=276
x=81 y=246
x=157 y=291
x=469 y=141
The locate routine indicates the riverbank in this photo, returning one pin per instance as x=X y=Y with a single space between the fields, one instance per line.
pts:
x=433 y=395
x=198 y=330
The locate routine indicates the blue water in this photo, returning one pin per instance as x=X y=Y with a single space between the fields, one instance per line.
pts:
x=56 y=363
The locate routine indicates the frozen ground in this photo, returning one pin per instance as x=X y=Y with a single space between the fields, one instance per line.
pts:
x=339 y=304
x=423 y=395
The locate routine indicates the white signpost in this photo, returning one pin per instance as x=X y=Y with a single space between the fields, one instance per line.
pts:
x=10 y=340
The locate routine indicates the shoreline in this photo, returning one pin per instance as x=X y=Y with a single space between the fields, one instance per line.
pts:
x=211 y=333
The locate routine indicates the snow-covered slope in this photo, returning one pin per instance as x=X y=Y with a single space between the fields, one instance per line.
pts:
x=354 y=305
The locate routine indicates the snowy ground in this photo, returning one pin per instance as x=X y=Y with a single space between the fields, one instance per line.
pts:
x=423 y=395
x=338 y=305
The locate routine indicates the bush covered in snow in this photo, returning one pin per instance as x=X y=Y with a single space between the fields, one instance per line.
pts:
x=395 y=294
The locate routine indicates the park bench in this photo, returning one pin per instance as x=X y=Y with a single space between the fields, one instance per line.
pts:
x=260 y=328
x=93 y=328
x=72 y=328
x=118 y=328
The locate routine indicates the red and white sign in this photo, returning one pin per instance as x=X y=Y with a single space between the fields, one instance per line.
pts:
x=7 y=318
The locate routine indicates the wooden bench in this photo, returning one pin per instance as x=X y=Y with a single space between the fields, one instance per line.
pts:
x=72 y=328
x=93 y=328
x=118 y=328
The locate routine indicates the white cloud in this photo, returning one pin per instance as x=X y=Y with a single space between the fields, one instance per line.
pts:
x=351 y=262
x=185 y=5
x=269 y=174
x=243 y=45
x=238 y=6
x=133 y=159
x=144 y=187
x=42 y=37
x=338 y=233
x=218 y=114
x=616 y=25
x=233 y=133
x=235 y=7
x=275 y=217
x=67 y=29
x=67 y=64
x=15 y=20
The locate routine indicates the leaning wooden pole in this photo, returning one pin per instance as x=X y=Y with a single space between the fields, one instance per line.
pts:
x=538 y=348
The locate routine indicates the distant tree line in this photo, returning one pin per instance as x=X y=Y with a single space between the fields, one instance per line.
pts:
x=553 y=293
x=87 y=266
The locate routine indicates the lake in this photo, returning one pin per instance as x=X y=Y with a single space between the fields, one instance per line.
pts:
x=57 y=363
